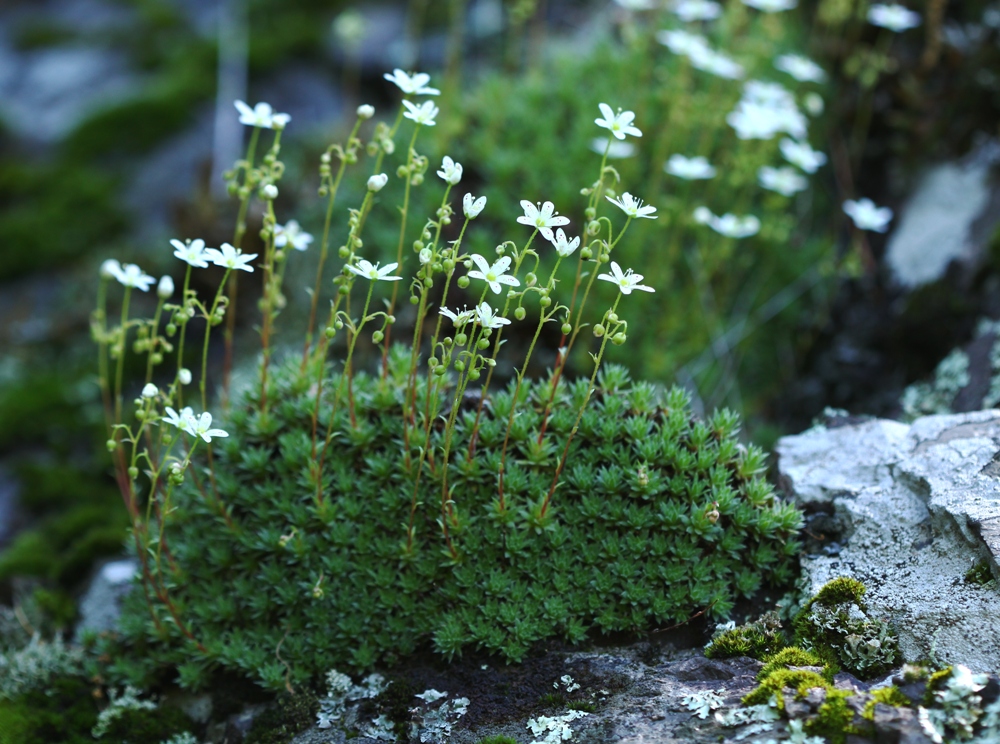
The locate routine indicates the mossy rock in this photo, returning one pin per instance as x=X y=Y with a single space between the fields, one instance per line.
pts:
x=760 y=640
x=289 y=715
x=658 y=516
x=792 y=656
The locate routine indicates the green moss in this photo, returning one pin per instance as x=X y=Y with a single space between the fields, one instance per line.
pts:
x=289 y=715
x=498 y=739
x=980 y=574
x=585 y=706
x=799 y=680
x=935 y=682
x=843 y=590
x=887 y=695
x=552 y=700
x=788 y=657
x=64 y=712
x=134 y=726
x=760 y=640
x=833 y=719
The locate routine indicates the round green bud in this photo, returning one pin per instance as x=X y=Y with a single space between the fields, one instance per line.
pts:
x=426 y=235
x=171 y=329
x=612 y=317
x=519 y=313
x=418 y=178
x=447 y=341
x=461 y=338
x=448 y=264
x=330 y=331
x=593 y=227
x=460 y=366
x=428 y=282
x=474 y=374
x=343 y=251
x=432 y=362
x=590 y=213
x=414 y=299
x=566 y=329
x=344 y=289
x=133 y=472
x=439 y=371
x=618 y=339
x=483 y=344
x=586 y=254
x=110 y=444
x=338 y=324
x=463 y=282
x=544 y=301
x=418 y=245
x=446 y=220
x=377 y=337
x=604 y=258
x=530 y=279
x=598 y=330
x=401 y=171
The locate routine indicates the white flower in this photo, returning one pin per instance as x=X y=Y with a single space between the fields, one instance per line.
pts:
x=472 y=206
x=292 y=234
x=893 y=17
x=786 y=181
x=802 y=155
x=150 y=390
x=374 y=273
x=488 y=318
x=184 y=376
x=814 y=103
x=632 y=206
x=867 y=216
x=269 y=191
x=165 y=289
x=261 y=115
x=494 y=275
x=202 y=427
x=365 y=111
x=414 y=85
x=110 y=269
x=801 y=68
x=681 y=42
x=425 y=256
x=636 y=4
x=230 y=258
x=716 y=63
x=564 y=247
x=759 y=121
x=771 y=6
x=422 y=114
x=697 y=10
x=618 y=124
x=616 y=150
x=451 y=172
x=728 y=224
x=377 y=182
x=131 y=275
x=191 y=253
x=459 y=319
x=626 y=282
x=180 y=420
x=689 y=168
x=543 y=219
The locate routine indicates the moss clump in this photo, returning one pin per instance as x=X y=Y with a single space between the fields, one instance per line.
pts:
x=584 y=705
x=889 y=696
x=936 y=681
x=658 y=516
x=289 y=715
x=800 y=680
x=133 y=726
x=65 y=711
x=760 y=640
x=834 y=717
x=980 y=574
x=843 y=590
x=792 y=656
x=498 y=739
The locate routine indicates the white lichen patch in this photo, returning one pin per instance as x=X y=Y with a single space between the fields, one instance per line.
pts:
x=431 y=723
x=554 y=729
x=341 y=691
x=120 y=702
x=702 y=703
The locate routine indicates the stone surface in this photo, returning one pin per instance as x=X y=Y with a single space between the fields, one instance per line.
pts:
x=917 y=506
x=939 y=224
x=100 y=606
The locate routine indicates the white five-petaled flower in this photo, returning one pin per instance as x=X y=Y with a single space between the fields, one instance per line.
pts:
x=632 y=206
x=764 y=110
x=867 y=216
x=786 y=181
x=202 y=427
x=543 y=219
x=230 y=258
x=180 y=420
x=422 y=114
x=460 y=318
x=681 y=42
x=488 y=317
x=893 y=17
x=728 y=224
x=191 y=253
x=131 y=275
x=618 y=124
x=802 y=155
x=262 y=116
x=414 y=85
x=697 y=10
x=451 y=172
x=801 y=68
x=110 y=268
x=473 y=206
x=626 y=281
x=716 y=63
x=373 y=273
x=494 y=275
x=564 y=246
x=291 y=233
x=690 y=169
x=616 y=150
x=634 y=5
x=771 y=6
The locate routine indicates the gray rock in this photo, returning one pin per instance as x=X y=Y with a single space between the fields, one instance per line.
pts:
x=940 y=223
x=100 y=606
x=917 y=506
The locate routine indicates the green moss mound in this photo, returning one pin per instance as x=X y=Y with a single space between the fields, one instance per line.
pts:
x=759 y=640
x=789 y=657
x=658 y=516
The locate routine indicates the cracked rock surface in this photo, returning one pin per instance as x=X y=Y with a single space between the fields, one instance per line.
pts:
x=913 y=507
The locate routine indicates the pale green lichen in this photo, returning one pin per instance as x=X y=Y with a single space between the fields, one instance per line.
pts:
x=120 y=703
x=32 y=666
x=937 y=396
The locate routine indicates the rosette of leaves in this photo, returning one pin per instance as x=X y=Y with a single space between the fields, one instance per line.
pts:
x=658 y=516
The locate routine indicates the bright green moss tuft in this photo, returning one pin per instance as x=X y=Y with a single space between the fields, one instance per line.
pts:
x=760 y=640
x=792 y=656
x=887 y=695
x=843 y=590
x=636 y=537
x=498 y=739
x=834 y=717
x=980 y=574
x=800 y=680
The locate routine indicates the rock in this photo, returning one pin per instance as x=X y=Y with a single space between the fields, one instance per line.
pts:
x=918 y=506
x=10 y=514
x=100 y=606
x=700 y=669
x=949 y=219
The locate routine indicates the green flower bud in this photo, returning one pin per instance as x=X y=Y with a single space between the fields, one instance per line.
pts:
x=439 y=371
x=483 y=344
x=418 y=245
x=377 y=337
x=414 y=299
x=474 y=374
x=110 y=444
x=544 y=301
x=461 y=338
x=612 y=317
x=519 y=313
x=604 y=258
x=401 y=171
x=448 y=264
x=463 y=282
x=618 y=339
x=432 y=362
x=530 y=279
x=460 y=366
x=133 y=472
x=345 y=252
x=586 y=254
x=590 y=213
x=566 y=329
x=171 y=329
x=598 y=330
x=338 y=324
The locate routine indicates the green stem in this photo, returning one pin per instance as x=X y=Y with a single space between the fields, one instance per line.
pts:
x=120 y=368
x=208 y=332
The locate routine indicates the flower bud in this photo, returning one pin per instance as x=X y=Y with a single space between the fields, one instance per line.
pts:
x=418 y=245
x=545 y=301
x=461 y=338
x=165 y=289
x=618 y=339
x=377 y=183
x=388 y=146
x=593 y=227
x=483 y=344
x=149 y=391
x=474 y=374
x=366 y=111
x=269 y=191
x=460 y=366
x=110 y=444
x=184 y=376
x=330 y=331
x=133 y=472
x=612 y=317
x=377 y=337
x=463 y=282
x=425 y=255
x=110 y=269
x=519 y=313
x=171 y=329
x=414 y=299
x=566 y=329
x=590 y=213
x=344 y=251
x=530 y=279
x=586 y=254
x=325 y=158
x=598 y=330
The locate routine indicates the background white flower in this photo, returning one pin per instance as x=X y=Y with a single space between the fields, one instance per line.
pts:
x=681 y=42
x=786 y=181
x=893 y=17
x=131 y=275
x=414 y=85
x=451 y=172
x=202 y=427
x=422 y=114
x=690 y=169
x=771 y=6
x=616 y=150
x=801 y=68
x=165 y=289
x=626 y=281
x=618 y=124
x=372 y=272
x=764 y=110
x=632 y=206
x=867 y=216
x=543 y=219
x=718 y=64
x=261 y=115
x=292 y=234
x=192 y=253
x=697 y=10
x=110 y=268
x=230 y=258
x=802 y=155
x=728 y=224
